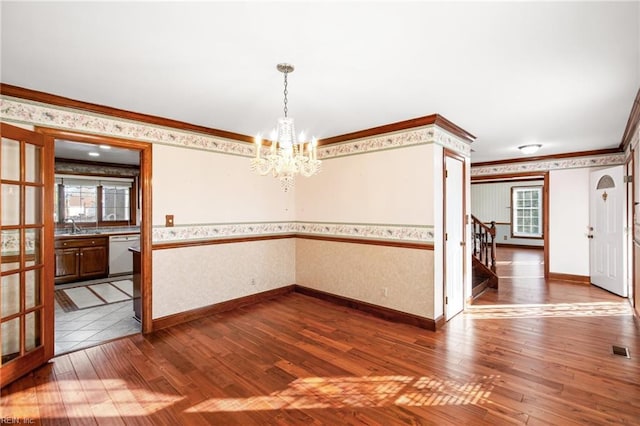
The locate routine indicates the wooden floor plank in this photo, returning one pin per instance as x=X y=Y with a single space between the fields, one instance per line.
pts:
x=299 y=360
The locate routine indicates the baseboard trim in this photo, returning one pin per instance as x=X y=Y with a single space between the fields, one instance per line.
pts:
x=576 y=279
x=522 y=246
x=376 y=310
x=229 y=305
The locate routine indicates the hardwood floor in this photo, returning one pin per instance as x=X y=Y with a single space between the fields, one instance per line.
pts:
x=300 y=360
x=521 y=273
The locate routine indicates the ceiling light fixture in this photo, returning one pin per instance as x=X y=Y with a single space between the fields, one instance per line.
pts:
x=529 y=149
x=105 y=147
x=287 y=155
x=94 y=154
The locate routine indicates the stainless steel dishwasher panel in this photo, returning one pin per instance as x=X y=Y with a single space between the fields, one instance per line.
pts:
x=120 y=258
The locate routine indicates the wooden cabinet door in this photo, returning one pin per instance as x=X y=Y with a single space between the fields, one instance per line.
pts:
x=93 y=261
x=67 y=264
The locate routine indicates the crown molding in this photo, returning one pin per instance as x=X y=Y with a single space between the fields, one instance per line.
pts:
x=429 y=120
x=549 y=157
x=633 y=123
x=61 y=101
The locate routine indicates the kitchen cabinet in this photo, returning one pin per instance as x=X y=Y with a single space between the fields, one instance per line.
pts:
x=81 y=258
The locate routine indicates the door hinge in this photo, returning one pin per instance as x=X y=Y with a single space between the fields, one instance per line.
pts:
x=446 y=300
x=446 y=173
x=627 y=179
x=446 y=236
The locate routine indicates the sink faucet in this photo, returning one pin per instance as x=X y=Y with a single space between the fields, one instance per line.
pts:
x=75 y=229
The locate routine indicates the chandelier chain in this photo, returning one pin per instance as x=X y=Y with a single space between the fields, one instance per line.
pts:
x=285 y=95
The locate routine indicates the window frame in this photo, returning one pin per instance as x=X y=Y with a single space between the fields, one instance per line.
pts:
x=100 y=222
x=513 y=220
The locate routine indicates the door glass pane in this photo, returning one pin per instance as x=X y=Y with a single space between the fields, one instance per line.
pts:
x=10 y=295
x=32 y=288
x=32 y=163
x=10 y=159
x=10 y=242
x=10 y=205
x=32 y=205
x=33 y=244
x=9 y=263
x=10 y=340
x=32 y=331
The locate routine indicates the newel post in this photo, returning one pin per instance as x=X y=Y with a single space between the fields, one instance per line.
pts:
x=492 y=231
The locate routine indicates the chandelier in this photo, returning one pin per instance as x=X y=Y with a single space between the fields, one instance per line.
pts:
x=288 y=155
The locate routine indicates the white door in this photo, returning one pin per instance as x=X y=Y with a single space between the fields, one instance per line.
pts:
x=607 y=221
x=454 y=237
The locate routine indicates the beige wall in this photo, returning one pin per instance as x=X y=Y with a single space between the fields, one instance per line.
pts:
x=203 y=187
x=193 y=277
x=397 y=187
x=389 y=187
x=363 y=272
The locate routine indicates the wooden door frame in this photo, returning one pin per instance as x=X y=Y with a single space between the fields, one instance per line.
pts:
x=43 y=352
x=629 y=171
x=145 y=149
x=545 y=204
x=447 y=153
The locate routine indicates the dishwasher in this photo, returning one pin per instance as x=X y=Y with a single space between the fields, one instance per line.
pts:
x=120 y=258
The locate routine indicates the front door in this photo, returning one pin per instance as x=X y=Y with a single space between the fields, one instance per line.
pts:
x=607 y=221
x=454 y=250
x=26 y=314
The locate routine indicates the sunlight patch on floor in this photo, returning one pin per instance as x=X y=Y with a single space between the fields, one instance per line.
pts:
x=591 y=309
x=359 y=392
x=130 y=400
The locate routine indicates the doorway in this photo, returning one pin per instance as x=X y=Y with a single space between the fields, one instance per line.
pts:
x=496 y=198
x=97 y=218
x=122 y=149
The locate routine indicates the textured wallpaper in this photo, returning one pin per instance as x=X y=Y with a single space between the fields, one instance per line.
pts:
x=363 y=272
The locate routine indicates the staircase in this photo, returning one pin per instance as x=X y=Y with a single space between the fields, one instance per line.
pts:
x=484 y=256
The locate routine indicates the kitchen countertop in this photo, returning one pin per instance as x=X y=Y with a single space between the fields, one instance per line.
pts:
x=93 y=232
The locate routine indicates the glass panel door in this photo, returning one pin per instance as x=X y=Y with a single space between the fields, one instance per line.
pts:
x=22 y=292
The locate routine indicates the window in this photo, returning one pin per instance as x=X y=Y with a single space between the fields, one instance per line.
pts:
x=526 y=212
x=115 y=202
x=88 y=200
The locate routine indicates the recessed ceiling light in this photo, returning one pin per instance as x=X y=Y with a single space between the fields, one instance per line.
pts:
x=104 y=147
x=529 y=149
x=94 y=154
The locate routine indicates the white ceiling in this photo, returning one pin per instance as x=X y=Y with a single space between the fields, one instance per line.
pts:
x=561 y=74
x=70 y=150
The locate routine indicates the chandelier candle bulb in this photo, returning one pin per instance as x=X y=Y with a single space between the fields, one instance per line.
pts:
x=314 y=144
x=258 y=141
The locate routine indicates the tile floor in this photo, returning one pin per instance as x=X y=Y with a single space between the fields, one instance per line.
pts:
x=91 y=326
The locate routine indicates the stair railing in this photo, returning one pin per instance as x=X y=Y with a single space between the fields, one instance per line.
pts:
x=484 y=242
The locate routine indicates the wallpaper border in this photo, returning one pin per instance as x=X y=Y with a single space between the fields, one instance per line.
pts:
x=382 y=232
x=546 y=165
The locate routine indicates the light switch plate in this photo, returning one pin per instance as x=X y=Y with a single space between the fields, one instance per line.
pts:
x=168 y=220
